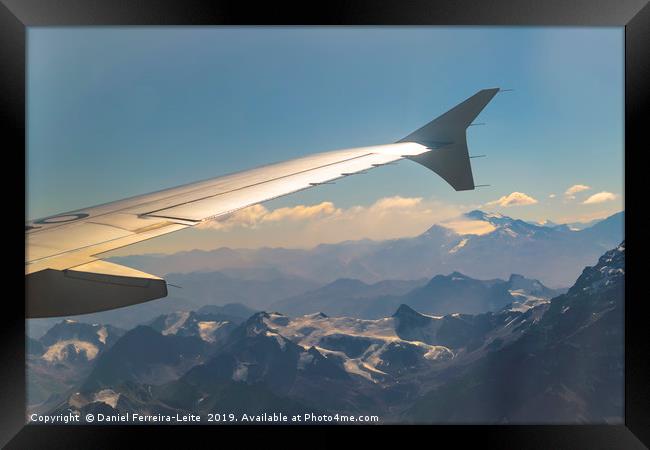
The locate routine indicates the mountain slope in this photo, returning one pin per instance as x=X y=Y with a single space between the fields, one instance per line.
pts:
x=343 y=297
x=146 y=356
x=567 y=367
x=64 y=356
x=258 y=354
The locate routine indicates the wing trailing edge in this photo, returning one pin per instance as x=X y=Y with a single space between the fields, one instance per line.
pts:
x=92 y=287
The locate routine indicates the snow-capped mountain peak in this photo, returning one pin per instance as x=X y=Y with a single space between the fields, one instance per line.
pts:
x=486 y=216
x=504 y=223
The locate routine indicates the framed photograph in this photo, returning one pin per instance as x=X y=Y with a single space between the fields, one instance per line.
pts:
x=354 y=216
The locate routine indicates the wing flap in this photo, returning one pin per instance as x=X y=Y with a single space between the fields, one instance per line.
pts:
x=92 y=287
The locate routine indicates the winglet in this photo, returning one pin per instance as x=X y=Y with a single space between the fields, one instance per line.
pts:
x=446 y=136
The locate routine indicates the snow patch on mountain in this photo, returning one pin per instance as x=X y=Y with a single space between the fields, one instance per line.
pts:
x=102 y=334
x=435 y=352
x=307 y=331
x=181 y=318
x=208 y=328
x=524 y=301
x=360 y=346
x=108 y=396
x=460 y=245
x=60 y=350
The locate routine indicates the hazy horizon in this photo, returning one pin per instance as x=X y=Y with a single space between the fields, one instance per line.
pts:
x=115 y=112
x=250 y=230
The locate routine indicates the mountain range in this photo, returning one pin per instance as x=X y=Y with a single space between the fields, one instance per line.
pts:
x=530 y=359
x=443 y=294
x=274 y=278
x=553 y=254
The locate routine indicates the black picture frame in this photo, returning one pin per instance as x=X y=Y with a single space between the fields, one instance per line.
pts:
x=634 y=15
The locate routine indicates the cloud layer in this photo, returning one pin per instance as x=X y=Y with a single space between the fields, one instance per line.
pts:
x=305 y=226
x=256 y=215
x=387 y=218
x=477 y=227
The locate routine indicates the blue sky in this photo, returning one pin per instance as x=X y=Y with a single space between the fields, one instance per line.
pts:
x=115 y=112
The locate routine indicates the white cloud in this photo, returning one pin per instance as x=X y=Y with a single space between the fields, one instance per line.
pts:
x=577 y=188
x=600 y=198
x=513 y=199
x=477 y=227
x=255 y=215
x=247 y=217
x=551 y=196
x=301 y=212
x=397 y=202
x=570 y=192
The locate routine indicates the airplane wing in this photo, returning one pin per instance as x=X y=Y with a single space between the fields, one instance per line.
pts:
x=65 y=274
